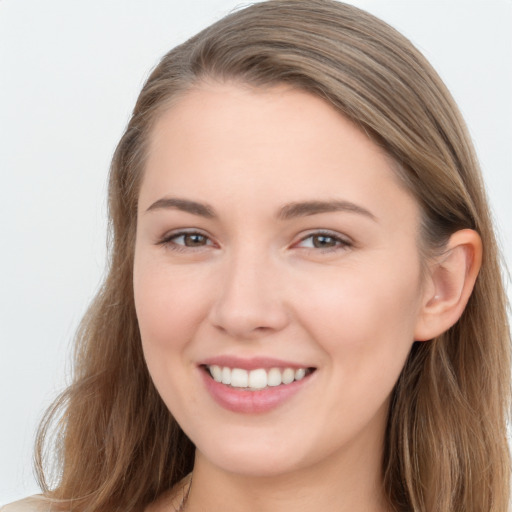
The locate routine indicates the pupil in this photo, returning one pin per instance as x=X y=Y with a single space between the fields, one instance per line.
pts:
x=194 y=240
x=320 y=241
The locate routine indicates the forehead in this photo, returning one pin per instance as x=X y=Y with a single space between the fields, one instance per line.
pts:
x=221 y=141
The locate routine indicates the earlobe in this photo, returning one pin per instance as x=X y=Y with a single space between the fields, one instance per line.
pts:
x=451 y=278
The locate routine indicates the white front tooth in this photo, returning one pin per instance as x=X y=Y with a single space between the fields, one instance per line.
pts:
x=216 y=373
x=274 y=377
x=300 y=373
x=288 y=376
x=258 y=379
x=226 y=375
x=239 y=378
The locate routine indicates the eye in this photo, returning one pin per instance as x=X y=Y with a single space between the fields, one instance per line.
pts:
x=185 y=239
x=326 y=241
x=190 y=239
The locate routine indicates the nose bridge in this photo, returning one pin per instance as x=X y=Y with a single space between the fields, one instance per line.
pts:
x=249 y=299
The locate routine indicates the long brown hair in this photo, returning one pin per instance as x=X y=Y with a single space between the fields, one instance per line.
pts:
x=117 y=445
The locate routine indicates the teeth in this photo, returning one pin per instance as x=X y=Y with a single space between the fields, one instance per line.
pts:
x=274 y=377
x=300 y=374
x=226 y=376
x=216 y=372
x=239 y=378
x=288 y=376
x=256 y=379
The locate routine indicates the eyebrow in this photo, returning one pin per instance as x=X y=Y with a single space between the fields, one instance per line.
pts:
x=305 y=208
x=185 y=205
x=287 y=212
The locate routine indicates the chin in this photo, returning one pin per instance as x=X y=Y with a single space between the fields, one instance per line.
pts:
x=249 y=465
x=256 y=459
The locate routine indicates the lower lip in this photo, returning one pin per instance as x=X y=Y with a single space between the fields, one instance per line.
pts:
x=251 y=402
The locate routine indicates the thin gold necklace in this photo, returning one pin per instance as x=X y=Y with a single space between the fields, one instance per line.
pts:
x=184 y=499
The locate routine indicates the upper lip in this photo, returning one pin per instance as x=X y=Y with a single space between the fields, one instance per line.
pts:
x=252 y=363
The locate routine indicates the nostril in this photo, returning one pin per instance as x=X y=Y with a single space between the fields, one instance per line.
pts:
x=248 y=324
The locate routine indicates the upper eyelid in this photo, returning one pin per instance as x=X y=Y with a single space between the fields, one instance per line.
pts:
x=170 y=235
x=342 y=243
x=326 y=232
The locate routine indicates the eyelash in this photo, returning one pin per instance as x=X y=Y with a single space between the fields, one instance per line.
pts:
x=169 y=241
x=340 y=242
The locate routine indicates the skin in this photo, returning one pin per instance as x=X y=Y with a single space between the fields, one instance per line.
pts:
x=259 y=284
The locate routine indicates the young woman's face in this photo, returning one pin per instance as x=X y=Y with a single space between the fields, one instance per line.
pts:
x=276 y=250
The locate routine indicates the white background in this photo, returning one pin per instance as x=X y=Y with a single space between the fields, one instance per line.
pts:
x=70 y=72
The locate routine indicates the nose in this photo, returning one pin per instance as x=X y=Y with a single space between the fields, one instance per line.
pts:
x=250 y=302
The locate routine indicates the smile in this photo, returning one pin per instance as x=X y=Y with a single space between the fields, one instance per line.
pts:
x=257 y=379
x=254 y=386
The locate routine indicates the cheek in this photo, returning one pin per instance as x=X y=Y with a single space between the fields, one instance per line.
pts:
x=365 y=327
x=169 y=312
x=366 y=320
x=169 y=306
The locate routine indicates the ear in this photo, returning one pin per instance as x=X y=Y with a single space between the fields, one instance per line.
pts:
x=449 y=284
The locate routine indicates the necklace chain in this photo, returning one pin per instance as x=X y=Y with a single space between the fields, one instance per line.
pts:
x=184 y=499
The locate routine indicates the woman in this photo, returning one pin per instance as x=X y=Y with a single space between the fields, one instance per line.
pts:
x=304 y=306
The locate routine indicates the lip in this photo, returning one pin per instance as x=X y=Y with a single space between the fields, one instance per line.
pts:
x=247 y=401
x=252 y=363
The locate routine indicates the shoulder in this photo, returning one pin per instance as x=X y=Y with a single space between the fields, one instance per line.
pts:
x=32 y=504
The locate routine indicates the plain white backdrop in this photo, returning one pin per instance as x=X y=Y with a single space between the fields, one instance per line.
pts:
x=70 y=72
